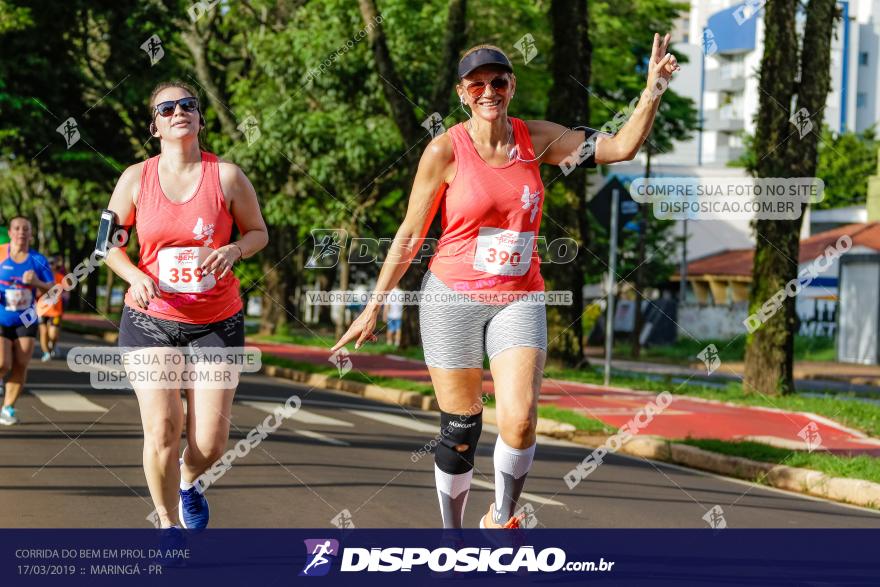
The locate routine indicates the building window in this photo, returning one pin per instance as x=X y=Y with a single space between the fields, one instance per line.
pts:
x=861 y=99
x=863 y=58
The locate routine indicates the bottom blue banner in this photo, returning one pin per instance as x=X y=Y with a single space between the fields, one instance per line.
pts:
x=406 y=557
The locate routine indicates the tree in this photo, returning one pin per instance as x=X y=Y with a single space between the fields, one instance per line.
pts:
x=570 y=62
x=69 y=65
x=403 y=108
x=846 y=160
x=770 y=351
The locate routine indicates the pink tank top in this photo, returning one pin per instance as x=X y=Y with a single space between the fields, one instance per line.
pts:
x=175 y=238
x=490 y=218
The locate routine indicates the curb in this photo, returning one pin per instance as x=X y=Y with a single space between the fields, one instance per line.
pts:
x=412 y=399
x=375 y=392
x=852 y=491
x=846 y=490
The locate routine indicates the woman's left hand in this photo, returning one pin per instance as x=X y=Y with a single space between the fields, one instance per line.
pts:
x=661 y=65
x=221 y=260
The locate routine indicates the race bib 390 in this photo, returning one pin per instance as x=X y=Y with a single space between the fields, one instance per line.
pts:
x=503 y=252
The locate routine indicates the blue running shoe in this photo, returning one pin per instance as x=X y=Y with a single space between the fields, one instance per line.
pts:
x=193 y=509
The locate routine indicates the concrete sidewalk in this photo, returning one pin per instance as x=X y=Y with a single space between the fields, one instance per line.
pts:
x=684 y=417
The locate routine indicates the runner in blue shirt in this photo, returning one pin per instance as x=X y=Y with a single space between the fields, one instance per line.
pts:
x=23 y=274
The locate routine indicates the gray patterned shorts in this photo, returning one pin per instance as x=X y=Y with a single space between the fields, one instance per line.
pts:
x=456 y=336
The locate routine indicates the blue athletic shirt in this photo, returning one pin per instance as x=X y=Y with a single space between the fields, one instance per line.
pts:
x=16 y=297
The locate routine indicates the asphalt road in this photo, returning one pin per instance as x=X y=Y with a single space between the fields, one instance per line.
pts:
x=75 y=461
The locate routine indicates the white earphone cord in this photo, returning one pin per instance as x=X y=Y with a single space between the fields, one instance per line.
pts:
x=521 y=160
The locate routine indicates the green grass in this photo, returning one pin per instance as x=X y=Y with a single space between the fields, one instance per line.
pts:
x=856 y=414
x=576 y=419
x=395 y=382
x=685 y=351
x=859 y=415
x=327 y=340
x=854 y=467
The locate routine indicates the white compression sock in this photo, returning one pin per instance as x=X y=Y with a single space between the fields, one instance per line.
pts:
x=452 y=491
x=511 y=467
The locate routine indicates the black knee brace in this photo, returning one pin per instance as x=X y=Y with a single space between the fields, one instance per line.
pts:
x=456 y=430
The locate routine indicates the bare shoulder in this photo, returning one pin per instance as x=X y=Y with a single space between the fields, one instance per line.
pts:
x=130 y=181
x=438 y=158
x=439 y=150
x=230 y=173
x=132 y=174
x=233 y=183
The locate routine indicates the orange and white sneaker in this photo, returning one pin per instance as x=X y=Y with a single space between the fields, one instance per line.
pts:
x=513 y=522
x=514 y=537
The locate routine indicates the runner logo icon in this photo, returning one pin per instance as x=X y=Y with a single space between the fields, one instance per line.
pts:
x=530 y=200
x=320 y=553
x=202 y=231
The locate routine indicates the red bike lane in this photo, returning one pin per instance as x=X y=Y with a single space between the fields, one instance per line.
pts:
x=683 y=417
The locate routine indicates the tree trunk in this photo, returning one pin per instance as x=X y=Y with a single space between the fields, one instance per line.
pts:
x=569 y=106
x=453 y=43
x=196 y=42
x=405 y=115
x=107 y=306
x=91 y=297
x=344 y=281
x=769 y=360
x=401 y=107
x=325 y=281
x=279 y=281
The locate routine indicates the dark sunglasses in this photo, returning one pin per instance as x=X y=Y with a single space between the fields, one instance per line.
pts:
x=499 y=84
x=166 y=109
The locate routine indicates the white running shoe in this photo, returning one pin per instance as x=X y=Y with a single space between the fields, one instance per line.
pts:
x=7 y=416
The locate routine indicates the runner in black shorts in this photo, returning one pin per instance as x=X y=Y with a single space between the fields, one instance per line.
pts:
x=23 y=273
x=183 y=297
x=50 y=308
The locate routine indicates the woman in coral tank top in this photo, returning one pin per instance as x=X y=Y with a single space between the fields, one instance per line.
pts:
x=183 y=296
x=483 y=176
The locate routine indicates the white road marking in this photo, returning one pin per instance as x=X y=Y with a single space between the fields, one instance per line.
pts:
x=306 y=417
x=394 y=420
x=64 y=400
x=322 y=437
x=300 y=415
x=356 y=402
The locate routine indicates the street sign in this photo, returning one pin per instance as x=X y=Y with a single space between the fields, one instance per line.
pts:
x=600 y=205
